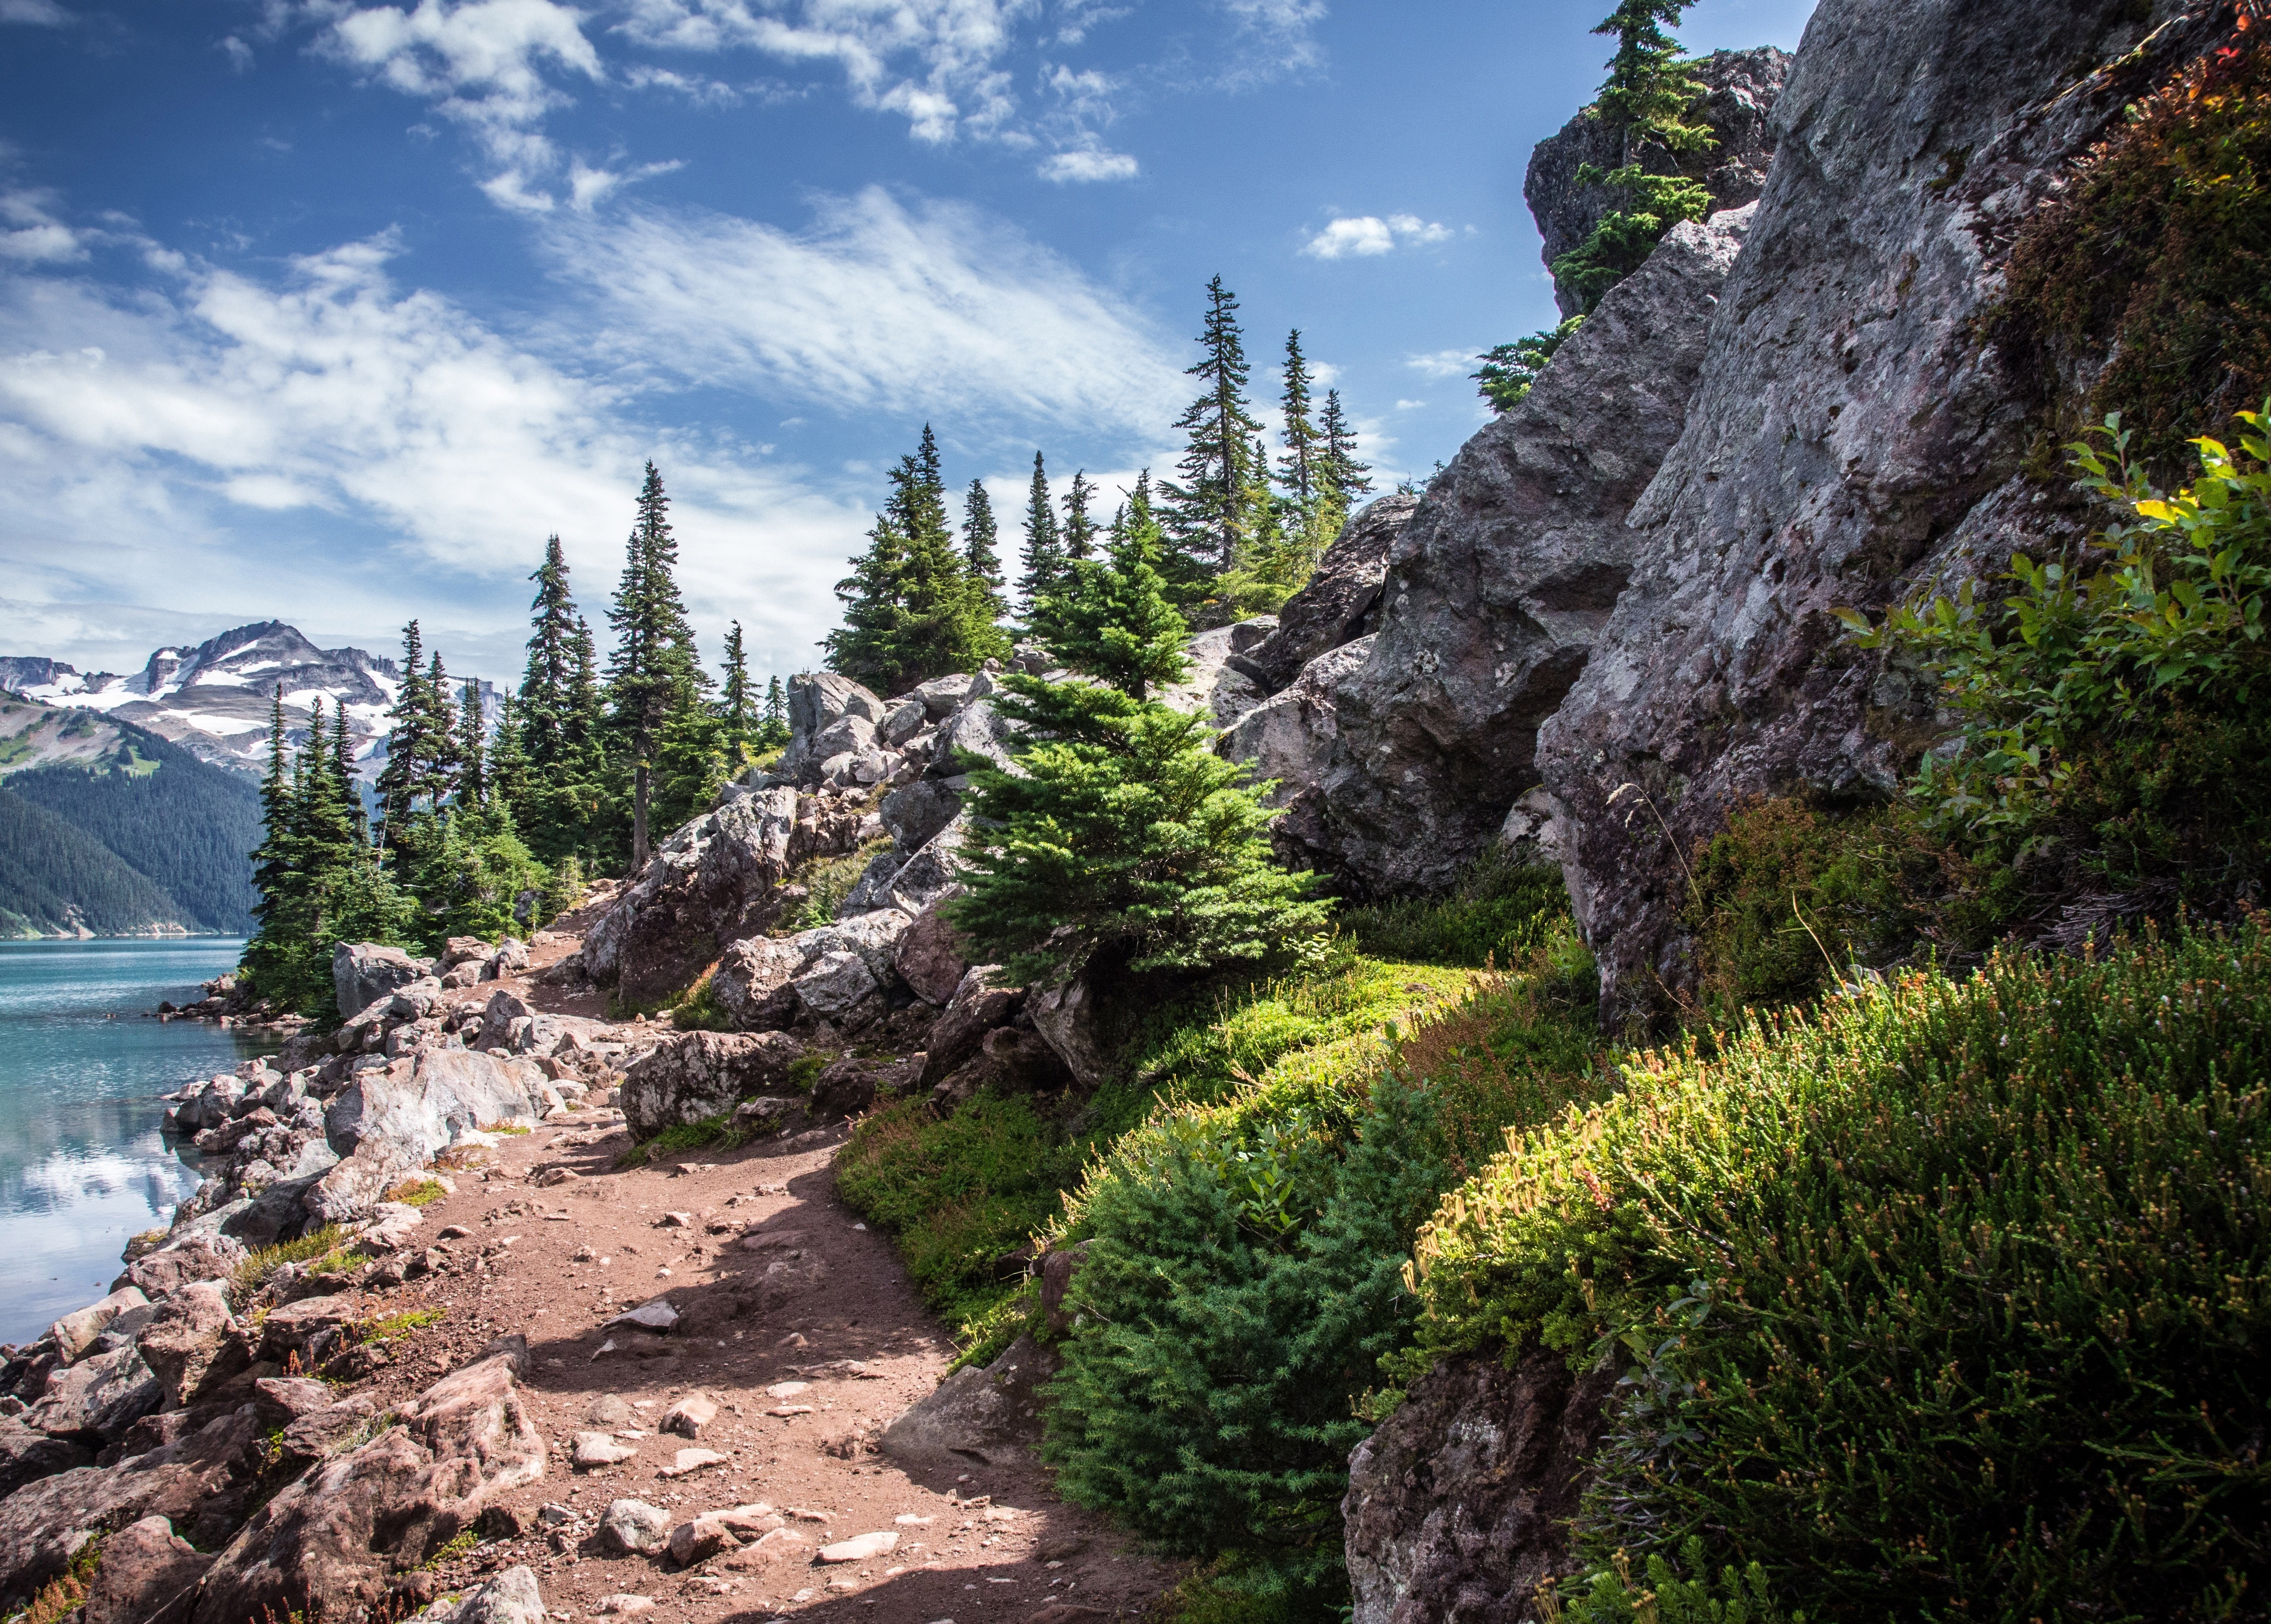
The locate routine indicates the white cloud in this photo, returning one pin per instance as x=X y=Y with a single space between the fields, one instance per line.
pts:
x=165 y=436
x=1089 y=164
x=1408 y=405
x=1279 y=35
x=588 y=187
x=1442 y=363
x=880 y=306
x=482 y=63
x=37 y=14
x=1366 y=234
x=702 y=92
x=32 y=232
x=239 y=54
x=935 y=63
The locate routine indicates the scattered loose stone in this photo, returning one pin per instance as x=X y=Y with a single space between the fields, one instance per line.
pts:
x=690 y=1415
x=861 y=1547
x=455 y=1232
x=599 y=1449
x=692 y=1461
x=786 y=1389
x=609 y=1411
x=632 y=1528
x=675 y=1220
x=622 y=1603
x=655 y=1315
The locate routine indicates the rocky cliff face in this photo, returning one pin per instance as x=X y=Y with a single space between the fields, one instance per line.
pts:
x=1740 y=88
x=1848 y=436
x=1399 y=766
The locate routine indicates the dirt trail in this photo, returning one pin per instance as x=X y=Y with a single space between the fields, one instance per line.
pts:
x=810 y=1292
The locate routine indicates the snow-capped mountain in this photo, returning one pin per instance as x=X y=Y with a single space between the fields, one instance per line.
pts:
x=213 y=699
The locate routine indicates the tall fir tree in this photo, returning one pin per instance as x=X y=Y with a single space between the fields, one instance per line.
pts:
x=409 y=742
x=653 y=674
x=774 y=733
x=1079 y=532
x=734 y=706
x=1043 y=556
x=345 y=780
x=1123 y=845
x=874 y=595
x=548 y=678
x=472 y=786
x=1209 y=513
x=981 y=537
x=1345 y=478
x=1300 y=469
x=508 y=774
x=439 y=779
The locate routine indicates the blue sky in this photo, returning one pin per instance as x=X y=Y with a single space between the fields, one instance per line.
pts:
x=331 y=312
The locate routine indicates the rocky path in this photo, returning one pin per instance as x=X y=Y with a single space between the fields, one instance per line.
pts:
x=798 y=1324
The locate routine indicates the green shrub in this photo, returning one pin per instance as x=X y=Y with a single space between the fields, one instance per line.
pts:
x=2113 y=735
x=2157 y=262
x=1242 y=1280
x=1789 y=900
x=1500 y=910
x=699 y=1011
x=1953 y=1300
x=260 y=1266
x=719 y=1132
x=1608 y=1595
x=957 y=1193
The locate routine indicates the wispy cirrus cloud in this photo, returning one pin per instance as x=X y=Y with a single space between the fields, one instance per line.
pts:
x=880 y=304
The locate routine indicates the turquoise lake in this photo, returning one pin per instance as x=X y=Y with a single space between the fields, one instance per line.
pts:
x=82 y=1164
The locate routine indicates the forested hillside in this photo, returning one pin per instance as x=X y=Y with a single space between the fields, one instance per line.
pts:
x=57 y=879
x=144 y=835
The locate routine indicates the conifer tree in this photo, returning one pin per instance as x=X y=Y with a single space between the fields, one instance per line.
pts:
x=981 y=537
x=508 y=773
x=1345 y=478
x=472 y=765
x=344 y=779
x=409 y=743
x=733 y=705
x=439 y=778
x=1044 y=553
x=653 y=674
x=1209 y=513
x=1300 y=469
x=549 y=676
x=1125 y=845
x=1079 y=532
x=874 y=595
x=774 y=732
x=981 y=542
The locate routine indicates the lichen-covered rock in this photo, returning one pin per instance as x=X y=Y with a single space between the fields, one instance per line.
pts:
x=838 y=981
x=97 y=1398
x=992 y=1415
x=709 y=883
x=931 y=957
x=1499 y=586
x=1850 y=435
x=202 y=1482
x=1341 y=601
x=77 y=1330
x=1740 y=88
x=191 y=1341
x=977 y=1006
x=394 y=1119
x=1460 y=1503
x=362 y=973
x=748 y=975
x=345 y=1529
x=702 y=1074
x=148 y=1575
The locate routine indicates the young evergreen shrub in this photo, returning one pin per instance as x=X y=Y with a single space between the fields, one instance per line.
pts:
x=1954 y=1300
x=1242 y=1281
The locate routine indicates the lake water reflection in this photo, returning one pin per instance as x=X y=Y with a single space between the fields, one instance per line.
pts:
x=82 y=1164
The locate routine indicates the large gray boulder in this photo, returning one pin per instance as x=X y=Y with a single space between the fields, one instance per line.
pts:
x=1848 y=436
x=1500 y=585
x=817 y=700
x=711 y=883
x=1740 y=88
x=702 y=1074
x=391 y=1121
x=992 y=1415
x=1341 y=599
x=1460 y=1502
x=362 y=973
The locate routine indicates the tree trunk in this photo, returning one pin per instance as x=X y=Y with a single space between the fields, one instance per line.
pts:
x=638 y=822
